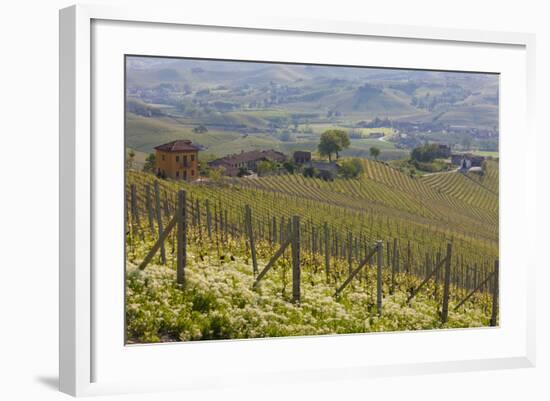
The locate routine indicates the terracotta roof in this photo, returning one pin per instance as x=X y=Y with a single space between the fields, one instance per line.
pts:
x=180 y=145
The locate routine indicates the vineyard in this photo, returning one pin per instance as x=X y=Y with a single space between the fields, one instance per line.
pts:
x=288 y=255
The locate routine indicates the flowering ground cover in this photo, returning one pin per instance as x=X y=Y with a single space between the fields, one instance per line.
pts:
x=218 y=302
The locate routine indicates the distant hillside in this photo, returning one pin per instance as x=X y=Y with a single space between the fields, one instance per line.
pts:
x=270 y=101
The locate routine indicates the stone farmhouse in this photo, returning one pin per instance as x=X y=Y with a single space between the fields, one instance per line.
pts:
x=474 y=160
x=301 y=157
x=248 y=160
x=466 y=161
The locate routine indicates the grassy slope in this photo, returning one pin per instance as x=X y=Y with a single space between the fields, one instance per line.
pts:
x=144 y=133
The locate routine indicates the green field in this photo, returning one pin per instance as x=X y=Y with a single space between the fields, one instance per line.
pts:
x=485 y=153
x=144 y=133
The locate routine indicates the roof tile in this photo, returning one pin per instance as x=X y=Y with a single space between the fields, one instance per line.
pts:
x=180 y=145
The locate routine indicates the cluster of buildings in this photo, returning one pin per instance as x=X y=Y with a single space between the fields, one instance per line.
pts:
x=247 y=160
x=178 y=160
x=467 y=161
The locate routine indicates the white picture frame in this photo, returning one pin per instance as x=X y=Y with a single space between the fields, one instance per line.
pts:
x=81 y=341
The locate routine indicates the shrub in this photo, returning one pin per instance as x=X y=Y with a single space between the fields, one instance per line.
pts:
x=351 y=168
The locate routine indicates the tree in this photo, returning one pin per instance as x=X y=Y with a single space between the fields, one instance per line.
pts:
x=428 y=152
x=130 y=159
x=265 y=166
x=200 y=129
x=374 y=152
x=243 y=171
x=215 y=174
x=149 y=165
x=344 y=140
x=289 y=166
x=351 y=168
x=333 y=141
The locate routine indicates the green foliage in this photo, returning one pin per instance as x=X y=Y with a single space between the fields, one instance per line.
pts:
x=218 y=302
x=130 y=159
x=427 y=153
x=216 y=174
x=200 y=129
x=374 y=152
x=435 y=166
x=333 y=141
x=310 y=172
x=243 y=171
x=351 y=168
x=265 y=167
x=289 y=166
x=149 y=166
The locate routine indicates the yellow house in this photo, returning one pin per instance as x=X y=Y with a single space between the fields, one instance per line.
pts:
x=177 y=160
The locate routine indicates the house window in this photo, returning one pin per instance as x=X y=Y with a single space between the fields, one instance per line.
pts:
x=177 y=158
x=192 y=158
x=177 y=173
x=192 y=173
x=185 y=175
x=162 y=157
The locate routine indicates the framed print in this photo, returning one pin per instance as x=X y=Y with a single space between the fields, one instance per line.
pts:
x=290 y=199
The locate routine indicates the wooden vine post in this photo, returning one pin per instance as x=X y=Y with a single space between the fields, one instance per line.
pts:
x=354 y=273
x=380 y=254
x=327 y=252
x=350 y=252
x=393 y=266
x=135 y=213
x=208 y=219
x=250 y=232
x=226 y=226
x=182 y=238
x=149 y=207
x=295 y=259
x=159 y=222
x=409 y=256
x=494 y=311
x=274 y=230
x=436 y=277
x=446 y=284
x=166 y=206
x=198 y=213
